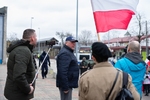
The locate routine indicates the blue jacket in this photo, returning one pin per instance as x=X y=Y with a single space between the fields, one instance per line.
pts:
x=46 y=61
x=67 y=69
x=133 y=64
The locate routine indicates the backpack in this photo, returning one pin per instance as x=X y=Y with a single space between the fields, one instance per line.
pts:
x=124 y=94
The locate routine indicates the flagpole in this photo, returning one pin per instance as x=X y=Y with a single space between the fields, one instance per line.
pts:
x=108 y=39
x=98 y=36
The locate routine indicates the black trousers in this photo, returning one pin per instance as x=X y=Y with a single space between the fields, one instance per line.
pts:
x=44 y=71
x=146 y=88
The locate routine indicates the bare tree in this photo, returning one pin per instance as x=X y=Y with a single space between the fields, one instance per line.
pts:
x=12 y=37
x=111 y=34
x=85 y=37
x=139 y=29
x=63 y=35
x=68 y=34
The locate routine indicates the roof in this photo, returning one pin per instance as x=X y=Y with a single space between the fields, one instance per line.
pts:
x=124 y=39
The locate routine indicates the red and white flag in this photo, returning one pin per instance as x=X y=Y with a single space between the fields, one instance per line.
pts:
x=113 y=14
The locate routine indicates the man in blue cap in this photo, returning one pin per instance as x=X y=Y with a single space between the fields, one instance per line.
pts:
x=67 y=69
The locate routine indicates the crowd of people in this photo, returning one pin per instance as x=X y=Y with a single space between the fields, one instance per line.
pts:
x=92 y=84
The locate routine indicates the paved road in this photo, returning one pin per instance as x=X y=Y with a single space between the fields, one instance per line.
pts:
x=45 y=88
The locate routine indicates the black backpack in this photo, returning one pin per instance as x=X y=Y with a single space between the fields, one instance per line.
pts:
x=124 y=94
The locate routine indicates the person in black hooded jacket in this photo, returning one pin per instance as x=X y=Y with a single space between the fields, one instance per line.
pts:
x=44 y=67
x=21 y=68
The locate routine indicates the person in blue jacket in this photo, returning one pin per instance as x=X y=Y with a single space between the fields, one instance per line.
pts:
x=45 y=64
x=133 y=64
x=67 y=69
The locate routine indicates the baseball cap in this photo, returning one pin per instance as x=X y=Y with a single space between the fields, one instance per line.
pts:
x=72 y=39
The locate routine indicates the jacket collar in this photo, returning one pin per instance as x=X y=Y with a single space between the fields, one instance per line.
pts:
x=20 y=43
x=135 y=57
x=68 y=48
x=103 y=64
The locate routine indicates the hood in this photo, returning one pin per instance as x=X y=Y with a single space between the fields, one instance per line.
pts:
x=44 y=53
x=137 y=67
x=135 y=57
x=15 y=44
x=137 y=62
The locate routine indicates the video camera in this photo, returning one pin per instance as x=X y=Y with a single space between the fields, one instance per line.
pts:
x=51 y=43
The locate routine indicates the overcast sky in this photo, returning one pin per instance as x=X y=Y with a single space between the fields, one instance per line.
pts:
x=50 y=16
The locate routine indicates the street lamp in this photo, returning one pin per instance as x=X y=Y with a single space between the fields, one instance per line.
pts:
x=31 y=21
x=39 y=41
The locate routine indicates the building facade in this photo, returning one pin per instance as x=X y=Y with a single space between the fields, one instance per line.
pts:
x=118 y=44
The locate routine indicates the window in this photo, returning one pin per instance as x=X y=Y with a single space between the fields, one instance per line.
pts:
x=86 y=56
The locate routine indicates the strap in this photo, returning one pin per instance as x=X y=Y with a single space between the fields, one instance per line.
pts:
x=113 y=85
x=125 y=79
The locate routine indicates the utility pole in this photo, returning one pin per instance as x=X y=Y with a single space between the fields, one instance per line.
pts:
x=77 y=29
x=147 y=51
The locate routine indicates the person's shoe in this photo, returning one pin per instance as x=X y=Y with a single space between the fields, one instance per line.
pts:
x=45 y=76
x=42 y=77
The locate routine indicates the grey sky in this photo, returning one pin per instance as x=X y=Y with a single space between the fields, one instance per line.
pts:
x=53 y=15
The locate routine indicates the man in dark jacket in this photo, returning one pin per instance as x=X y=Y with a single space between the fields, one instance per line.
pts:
x=45 y=64
x=21 y=68
x=67 y=69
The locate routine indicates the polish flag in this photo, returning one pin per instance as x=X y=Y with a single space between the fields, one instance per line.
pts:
x=113 y=14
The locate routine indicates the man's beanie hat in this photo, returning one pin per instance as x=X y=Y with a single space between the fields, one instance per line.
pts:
x=100 y=49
